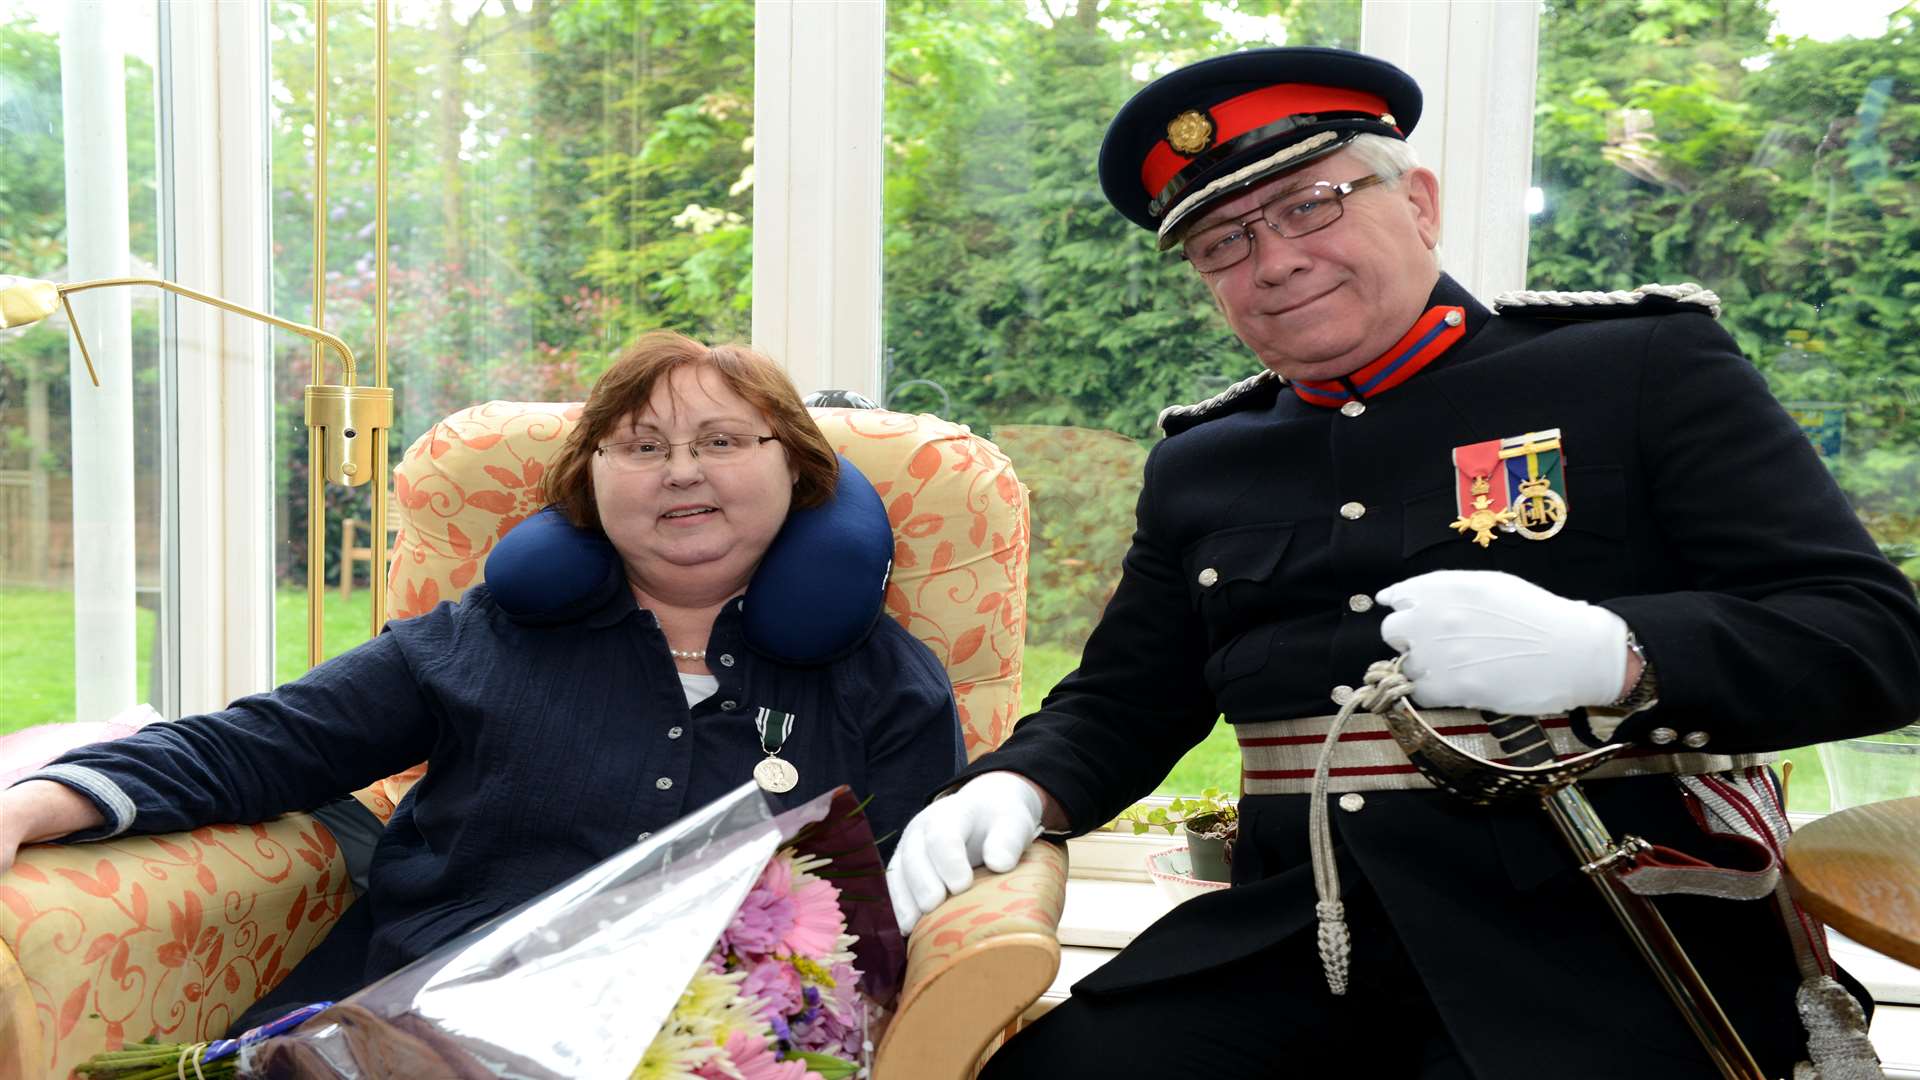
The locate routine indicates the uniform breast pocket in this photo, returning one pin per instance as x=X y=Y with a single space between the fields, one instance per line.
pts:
x=1229 y=569
x=1594 y=530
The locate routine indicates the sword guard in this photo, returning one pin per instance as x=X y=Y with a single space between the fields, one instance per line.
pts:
x=1626 y=850
x=1476 y=779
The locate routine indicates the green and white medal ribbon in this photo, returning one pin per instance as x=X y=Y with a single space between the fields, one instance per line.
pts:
x=774 y=774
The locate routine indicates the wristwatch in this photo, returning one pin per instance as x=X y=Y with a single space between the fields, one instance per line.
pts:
x=1645 y=691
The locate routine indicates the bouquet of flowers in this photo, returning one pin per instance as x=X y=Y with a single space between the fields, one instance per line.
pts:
x=733 y=944
x=781 y=978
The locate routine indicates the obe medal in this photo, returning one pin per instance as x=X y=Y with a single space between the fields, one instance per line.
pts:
x=774 y=774
x=1483 y=504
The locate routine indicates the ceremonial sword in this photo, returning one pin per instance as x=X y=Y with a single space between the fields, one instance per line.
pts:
x=1534 y=770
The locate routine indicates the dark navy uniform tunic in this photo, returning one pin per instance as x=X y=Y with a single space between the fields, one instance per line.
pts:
x=549 y=749
x=1697 y=511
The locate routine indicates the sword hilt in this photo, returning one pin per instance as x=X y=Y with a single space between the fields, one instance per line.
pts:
x=1522 y=739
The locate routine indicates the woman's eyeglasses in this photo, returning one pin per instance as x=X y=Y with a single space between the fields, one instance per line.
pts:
x=716 y=448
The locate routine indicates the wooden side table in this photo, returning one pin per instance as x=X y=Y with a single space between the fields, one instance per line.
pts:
x=1859 y=870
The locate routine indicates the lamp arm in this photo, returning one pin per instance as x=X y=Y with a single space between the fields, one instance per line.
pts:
x=337 y=417
x=315 y=334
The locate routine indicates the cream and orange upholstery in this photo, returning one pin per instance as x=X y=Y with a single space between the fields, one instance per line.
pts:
x=106 y=943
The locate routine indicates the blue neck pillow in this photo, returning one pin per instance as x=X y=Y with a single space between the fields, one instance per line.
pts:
x=814 y=596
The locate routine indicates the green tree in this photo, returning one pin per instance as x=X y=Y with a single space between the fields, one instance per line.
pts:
x=1676 y=141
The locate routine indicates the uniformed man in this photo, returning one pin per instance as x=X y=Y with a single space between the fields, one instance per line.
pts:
x=1585 y=506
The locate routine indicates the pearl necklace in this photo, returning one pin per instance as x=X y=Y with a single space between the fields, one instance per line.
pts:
x=688 y=654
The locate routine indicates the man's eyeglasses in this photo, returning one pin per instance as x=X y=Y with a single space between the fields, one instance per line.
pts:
x=716 y=448
x=1291 y=214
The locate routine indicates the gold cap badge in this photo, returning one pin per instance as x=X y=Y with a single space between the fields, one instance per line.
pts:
x=1190 y=133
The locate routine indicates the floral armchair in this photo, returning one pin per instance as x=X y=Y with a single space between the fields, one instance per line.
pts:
x=105 y=943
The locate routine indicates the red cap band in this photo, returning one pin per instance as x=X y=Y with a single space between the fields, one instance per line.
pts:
x=1236 y=116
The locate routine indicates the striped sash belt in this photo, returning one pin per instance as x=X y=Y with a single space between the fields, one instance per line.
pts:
x=1277 y=757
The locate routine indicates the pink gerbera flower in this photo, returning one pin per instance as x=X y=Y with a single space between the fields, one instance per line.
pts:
x=817 y=922
x=751 y=1058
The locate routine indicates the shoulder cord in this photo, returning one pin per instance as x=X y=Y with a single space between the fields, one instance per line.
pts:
x=1688 y=293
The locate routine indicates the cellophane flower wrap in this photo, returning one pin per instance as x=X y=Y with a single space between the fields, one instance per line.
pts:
x=732 y=945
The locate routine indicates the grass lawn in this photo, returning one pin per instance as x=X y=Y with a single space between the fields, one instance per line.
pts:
x=36 y=647
x=36 y=678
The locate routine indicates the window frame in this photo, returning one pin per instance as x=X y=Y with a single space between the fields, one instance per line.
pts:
x=816 y=240
x=212 y=98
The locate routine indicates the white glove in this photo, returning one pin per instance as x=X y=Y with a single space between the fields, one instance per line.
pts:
x=991 y=820
x=1481 y=639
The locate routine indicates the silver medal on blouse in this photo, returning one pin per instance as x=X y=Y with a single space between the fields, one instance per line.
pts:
x=774 y=774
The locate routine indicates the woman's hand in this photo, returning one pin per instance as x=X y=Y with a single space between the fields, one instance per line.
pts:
x=41 y=810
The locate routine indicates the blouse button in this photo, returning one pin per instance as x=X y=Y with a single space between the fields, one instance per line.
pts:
x=1353 y=408
x=726 y=659
x=673 y=732
x=1208 y=577
x=1360 y=602
x=663 y=783
x=1353 y=511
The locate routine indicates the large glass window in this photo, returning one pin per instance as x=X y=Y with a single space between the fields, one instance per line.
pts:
x=1772 y=153
x=82 y=572
x=1018 y=301
x=562 y=177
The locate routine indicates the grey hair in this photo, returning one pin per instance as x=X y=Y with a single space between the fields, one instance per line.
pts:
x=1391 y=158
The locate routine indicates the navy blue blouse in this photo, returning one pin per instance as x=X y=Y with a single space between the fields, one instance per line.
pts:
x=550 y=748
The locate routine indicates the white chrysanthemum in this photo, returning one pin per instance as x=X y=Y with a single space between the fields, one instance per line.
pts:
x=709 y=1010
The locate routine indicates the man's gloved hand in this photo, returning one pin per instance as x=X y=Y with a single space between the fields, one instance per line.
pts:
x=991 y=820
x=1481 y=639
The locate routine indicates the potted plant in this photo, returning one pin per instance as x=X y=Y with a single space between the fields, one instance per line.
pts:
x=1210 y=822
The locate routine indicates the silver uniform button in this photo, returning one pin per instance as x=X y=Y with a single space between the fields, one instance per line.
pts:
x=1208 y=577
x=643 y=836
x=1353 y=511
x=1342 y=695
x=1353 y=408
x=729 y=706
x=1454 y=318
x=1661 y=736
x=1694 y=739
x=1360 y=602
x=1352 y=802
x=673 y=732
x=726 y=659
x=663 y=783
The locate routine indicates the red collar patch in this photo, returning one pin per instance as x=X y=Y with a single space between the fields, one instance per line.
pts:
x=1431 y=336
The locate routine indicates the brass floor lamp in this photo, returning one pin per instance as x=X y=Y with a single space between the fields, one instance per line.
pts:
x=347 y=424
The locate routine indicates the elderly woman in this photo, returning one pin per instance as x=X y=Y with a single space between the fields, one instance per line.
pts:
x=551 y=746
